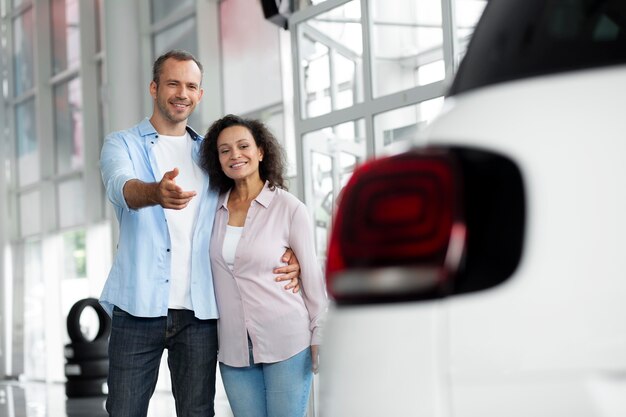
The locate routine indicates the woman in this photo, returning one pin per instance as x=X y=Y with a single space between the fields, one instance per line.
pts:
x=268 y=337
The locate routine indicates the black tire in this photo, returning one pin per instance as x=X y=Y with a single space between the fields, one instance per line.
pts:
x=86 y=387
x=73 y=321
x=90 y=350
x=86 y=369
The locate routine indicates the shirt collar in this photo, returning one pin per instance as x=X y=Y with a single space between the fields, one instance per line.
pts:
x=264 y=198
x=193 y=134
x=146 y=128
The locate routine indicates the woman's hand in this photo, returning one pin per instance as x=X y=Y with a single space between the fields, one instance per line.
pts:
x=315 y=357
x=290 y=272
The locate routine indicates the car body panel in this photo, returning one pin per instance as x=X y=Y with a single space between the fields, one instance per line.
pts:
x=549 y=341
x=556 y=328
x=400 y=367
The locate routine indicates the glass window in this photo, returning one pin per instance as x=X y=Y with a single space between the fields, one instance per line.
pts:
x=65 y=35
x=98 y=11
x=331 y=50
x=68 y=126
x=102 y=109
x=27 y=143
x=180 y=36
x=303 y=4
x=163 y=8
x=71 y=198
x=396 y=130
x=331 y=154
x=467 y=13
x=30 y=213
x=275 y=121
x=74 y=251
x=34 y=312
x=23 y=55
x=405 y=39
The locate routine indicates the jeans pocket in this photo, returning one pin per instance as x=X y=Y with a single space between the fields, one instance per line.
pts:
x=119 y=312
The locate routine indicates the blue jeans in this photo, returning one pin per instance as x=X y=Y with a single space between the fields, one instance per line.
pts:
x=279 y=389
x=135 y=349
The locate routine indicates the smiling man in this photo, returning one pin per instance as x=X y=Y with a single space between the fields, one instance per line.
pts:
x=160 y=288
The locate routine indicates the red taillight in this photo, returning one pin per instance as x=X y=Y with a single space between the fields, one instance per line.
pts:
x=398 y=228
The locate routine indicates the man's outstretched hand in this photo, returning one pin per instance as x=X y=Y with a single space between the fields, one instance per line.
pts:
x=170 y=195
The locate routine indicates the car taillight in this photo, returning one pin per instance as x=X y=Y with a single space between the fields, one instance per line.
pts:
x=398 y=230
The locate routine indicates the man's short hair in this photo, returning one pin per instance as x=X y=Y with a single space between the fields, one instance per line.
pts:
x=177 y=54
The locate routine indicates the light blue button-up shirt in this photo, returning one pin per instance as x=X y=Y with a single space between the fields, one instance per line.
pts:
x=139 y=280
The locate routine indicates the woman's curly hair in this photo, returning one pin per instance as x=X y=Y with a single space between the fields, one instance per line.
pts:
x=272 y=167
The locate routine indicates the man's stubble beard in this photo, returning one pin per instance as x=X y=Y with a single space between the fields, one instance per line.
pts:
x=163 y=109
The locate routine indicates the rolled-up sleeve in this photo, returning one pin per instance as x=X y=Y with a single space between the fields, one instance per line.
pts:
x=116 y=168
x=302 y=242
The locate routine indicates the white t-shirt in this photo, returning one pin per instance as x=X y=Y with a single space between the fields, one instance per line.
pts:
x=177 y=152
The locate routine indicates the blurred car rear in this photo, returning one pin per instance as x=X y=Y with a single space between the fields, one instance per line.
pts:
x=483 y=273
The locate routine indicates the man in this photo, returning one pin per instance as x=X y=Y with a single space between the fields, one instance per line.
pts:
x=160 y=288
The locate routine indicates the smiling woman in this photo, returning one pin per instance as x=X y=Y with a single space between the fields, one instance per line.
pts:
x=239 y=155
x=245 y=132
x=268 y=337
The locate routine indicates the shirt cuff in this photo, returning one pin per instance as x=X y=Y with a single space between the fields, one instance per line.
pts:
x=118 y=192
x=316 y=337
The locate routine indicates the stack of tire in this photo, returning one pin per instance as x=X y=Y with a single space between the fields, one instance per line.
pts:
x=87 y=360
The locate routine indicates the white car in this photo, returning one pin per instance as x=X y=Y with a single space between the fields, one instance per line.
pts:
x=484 y=273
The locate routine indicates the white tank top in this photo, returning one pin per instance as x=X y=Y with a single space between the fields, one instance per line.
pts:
x=177 y=152
x=231 y=240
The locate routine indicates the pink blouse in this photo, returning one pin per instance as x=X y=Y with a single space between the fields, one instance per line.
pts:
x=279 y=322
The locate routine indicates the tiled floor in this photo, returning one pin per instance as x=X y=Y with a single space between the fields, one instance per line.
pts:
x=37 y=399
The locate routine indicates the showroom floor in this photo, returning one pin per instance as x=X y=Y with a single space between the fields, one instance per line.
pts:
x=38 y=399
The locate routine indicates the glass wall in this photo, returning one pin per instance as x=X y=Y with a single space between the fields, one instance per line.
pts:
x=330 y=156
x=65 y=35
x=406 y=45
x=30 y=213
x=50 y=169
x=395 y=130
x=182 y=35
x=331 y=60
x=466 y=15
x=68 y=126
x=34 y=311
x=23 y=52
x=369 y=78
x=162 y=9
x=173 y=26
x=71 y=197
x=27 y=142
